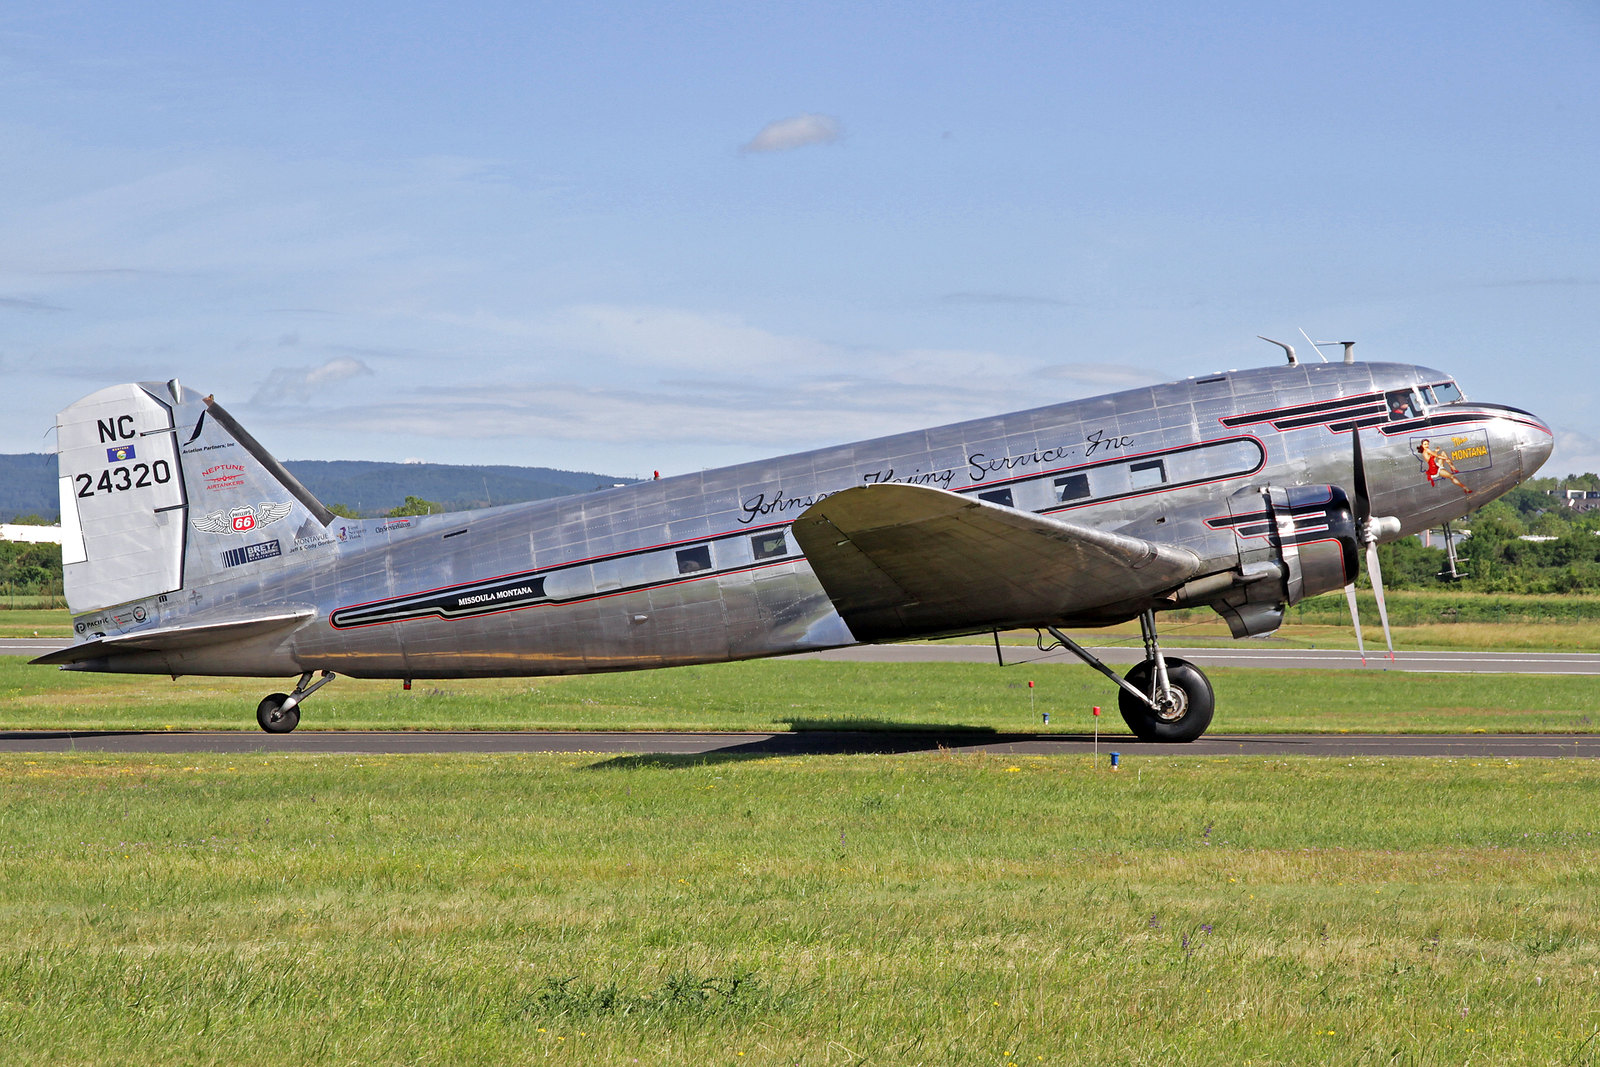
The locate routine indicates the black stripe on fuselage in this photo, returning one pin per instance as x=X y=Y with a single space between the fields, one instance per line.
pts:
x=1366 y=411
x=458 y=602
x=1332 y=408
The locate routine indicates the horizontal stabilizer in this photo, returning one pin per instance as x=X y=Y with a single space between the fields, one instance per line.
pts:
x=903 y=561
x=173 y=638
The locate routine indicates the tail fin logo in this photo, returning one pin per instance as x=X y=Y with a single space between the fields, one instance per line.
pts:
x=244 y=519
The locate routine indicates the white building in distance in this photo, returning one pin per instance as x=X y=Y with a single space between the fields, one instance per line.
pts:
x=38 y=535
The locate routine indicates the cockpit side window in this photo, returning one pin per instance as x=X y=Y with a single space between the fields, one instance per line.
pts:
x=1402 y=404
x=1427 y=395
x=1447 y=393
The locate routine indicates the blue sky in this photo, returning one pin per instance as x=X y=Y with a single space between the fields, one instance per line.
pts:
x=670 y=237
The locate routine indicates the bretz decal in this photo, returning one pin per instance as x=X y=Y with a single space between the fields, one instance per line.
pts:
x=235 y=557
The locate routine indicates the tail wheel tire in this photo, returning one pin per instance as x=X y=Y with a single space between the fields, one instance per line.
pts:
x=1191 y=708
x=274 y=717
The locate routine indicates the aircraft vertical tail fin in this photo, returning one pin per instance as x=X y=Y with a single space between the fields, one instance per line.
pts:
x=162 y=490
x=122 y=498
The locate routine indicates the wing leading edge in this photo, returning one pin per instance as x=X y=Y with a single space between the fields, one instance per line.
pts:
x=903 y=561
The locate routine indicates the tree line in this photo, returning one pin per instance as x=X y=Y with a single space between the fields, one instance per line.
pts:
x=1495 y=558
x=1528 y=541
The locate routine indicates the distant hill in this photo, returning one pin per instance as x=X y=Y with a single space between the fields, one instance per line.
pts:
x=373 y=488
x=28 y=484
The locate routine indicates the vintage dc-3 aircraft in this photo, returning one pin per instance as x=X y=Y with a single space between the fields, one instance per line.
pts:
x=190 y=550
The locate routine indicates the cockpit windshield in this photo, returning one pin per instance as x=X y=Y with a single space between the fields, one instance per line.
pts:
x=1445 y=393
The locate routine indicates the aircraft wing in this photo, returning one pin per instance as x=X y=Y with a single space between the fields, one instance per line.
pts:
x=902 y=561
x=173 y=638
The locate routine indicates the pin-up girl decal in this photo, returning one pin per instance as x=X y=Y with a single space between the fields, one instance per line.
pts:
x=1439 y=465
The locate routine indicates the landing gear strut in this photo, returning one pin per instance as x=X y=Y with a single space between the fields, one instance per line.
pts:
x=1163 y=698
x=280 y=712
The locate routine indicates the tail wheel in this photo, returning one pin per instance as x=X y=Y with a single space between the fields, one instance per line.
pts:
x=274 y=717
x=1189 y=712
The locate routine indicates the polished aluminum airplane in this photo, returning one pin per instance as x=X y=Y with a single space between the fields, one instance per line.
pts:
x=190 y=550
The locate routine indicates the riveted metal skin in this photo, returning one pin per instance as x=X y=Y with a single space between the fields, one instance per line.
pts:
x=1080 y=513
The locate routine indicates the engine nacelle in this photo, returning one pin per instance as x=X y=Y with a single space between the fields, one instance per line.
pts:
x=1294 y=542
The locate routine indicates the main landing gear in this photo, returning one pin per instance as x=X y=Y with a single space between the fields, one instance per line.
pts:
x=1163 y=698
x=280 y=712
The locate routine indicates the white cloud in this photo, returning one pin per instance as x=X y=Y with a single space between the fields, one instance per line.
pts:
x=1102 y=375
x=795 y=132
x=669 y=337
x=287 y=385
x=1575 y=453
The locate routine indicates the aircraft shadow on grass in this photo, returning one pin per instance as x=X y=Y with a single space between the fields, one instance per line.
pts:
x=879 y=737
x=843 y=737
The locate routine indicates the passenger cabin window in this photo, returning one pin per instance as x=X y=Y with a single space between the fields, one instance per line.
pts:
x=769 y=545
x=1072 y=487
x=1402 y=404
x=997 y=496
x=1447 y=393
x=1147 y=474
x=694 y=559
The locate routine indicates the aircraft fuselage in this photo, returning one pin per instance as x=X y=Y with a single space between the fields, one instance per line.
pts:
x=704 y=567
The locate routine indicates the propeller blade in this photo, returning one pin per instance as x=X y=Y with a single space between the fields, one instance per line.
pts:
x=1355 y=617
x=1358 y=464
x=1376 y=574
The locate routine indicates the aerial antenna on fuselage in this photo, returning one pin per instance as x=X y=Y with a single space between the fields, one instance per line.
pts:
x=1312 y=343
x=1293 y=362
x=1349 y=347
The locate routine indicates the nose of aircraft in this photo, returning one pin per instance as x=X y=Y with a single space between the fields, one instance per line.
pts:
x=1533 y=440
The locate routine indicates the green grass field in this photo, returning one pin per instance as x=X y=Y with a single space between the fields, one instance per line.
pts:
x=810 y=694
x=929 y=909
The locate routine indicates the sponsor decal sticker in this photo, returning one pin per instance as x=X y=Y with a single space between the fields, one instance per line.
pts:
x=306 y=544
x=120 y=454
x=235 y=557
x=112 y=620
x=223 y=476
x=242 y=519
x=395 y=524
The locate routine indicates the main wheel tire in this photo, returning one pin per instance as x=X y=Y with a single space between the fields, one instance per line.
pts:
x=274 y=717
x=1185 y=722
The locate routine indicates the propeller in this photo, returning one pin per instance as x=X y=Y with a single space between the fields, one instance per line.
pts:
x=1368 y=528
